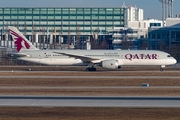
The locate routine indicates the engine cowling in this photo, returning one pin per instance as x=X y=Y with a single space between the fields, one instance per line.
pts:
x=110 y=64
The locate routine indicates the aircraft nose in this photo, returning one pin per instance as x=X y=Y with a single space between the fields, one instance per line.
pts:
x=174 y=61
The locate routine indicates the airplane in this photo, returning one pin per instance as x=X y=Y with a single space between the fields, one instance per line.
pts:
x=107 y=59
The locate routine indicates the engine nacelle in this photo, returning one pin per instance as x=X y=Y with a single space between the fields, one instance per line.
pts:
x=110 y=64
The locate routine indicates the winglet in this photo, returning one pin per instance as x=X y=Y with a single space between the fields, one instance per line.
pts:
x=21 y=42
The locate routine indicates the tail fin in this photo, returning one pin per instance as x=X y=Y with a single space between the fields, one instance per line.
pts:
x=21 y=42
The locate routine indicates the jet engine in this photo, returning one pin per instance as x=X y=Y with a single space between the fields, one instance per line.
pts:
x=110 y=64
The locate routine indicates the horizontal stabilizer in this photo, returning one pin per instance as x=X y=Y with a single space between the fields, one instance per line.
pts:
x=17 y=55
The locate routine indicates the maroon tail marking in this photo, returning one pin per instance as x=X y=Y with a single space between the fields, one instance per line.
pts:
x=19 y=41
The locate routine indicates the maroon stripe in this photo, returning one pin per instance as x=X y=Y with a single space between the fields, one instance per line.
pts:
x=14 y=33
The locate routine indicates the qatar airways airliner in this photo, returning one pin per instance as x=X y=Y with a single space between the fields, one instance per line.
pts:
x=107 y=59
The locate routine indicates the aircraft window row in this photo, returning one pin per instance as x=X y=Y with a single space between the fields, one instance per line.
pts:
x=59 y=55
x=89 y=55
x=55 y=55
x=101 y=55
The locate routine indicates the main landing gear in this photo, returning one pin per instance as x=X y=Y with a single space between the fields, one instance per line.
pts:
x=91 y=68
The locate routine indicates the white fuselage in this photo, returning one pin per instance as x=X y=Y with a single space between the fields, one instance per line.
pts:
x=124 y=57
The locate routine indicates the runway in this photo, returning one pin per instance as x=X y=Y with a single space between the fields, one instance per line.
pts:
x=63 y=87
x=91 y=101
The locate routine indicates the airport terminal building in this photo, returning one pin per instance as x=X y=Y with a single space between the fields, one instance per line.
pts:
x=62 y=21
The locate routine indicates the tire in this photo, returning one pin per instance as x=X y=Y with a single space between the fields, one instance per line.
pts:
x=91 y=69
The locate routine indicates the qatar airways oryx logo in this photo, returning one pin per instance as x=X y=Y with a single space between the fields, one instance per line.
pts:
x=140 y=56
x=19 y=41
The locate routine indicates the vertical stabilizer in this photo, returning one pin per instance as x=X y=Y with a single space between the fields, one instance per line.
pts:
x=20 y=41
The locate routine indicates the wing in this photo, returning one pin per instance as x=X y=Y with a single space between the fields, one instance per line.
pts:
x=82 y=57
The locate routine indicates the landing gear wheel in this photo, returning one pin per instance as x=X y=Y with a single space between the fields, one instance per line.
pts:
x=93 y=69
x=161 y=69
x=90 y=69
x=87 y=69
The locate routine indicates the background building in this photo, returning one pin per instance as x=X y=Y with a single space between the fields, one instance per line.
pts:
x=135 y=14
x=173 y=21
x=161 y=37
x=61 y=25
x=143 y=25
x=123 y=37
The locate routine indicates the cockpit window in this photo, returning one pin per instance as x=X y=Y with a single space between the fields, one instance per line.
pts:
x=168 y=55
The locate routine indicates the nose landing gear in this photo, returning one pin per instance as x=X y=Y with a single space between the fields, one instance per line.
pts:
x=161 y=68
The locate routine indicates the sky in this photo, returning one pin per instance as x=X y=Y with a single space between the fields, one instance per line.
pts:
x=152 y=8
